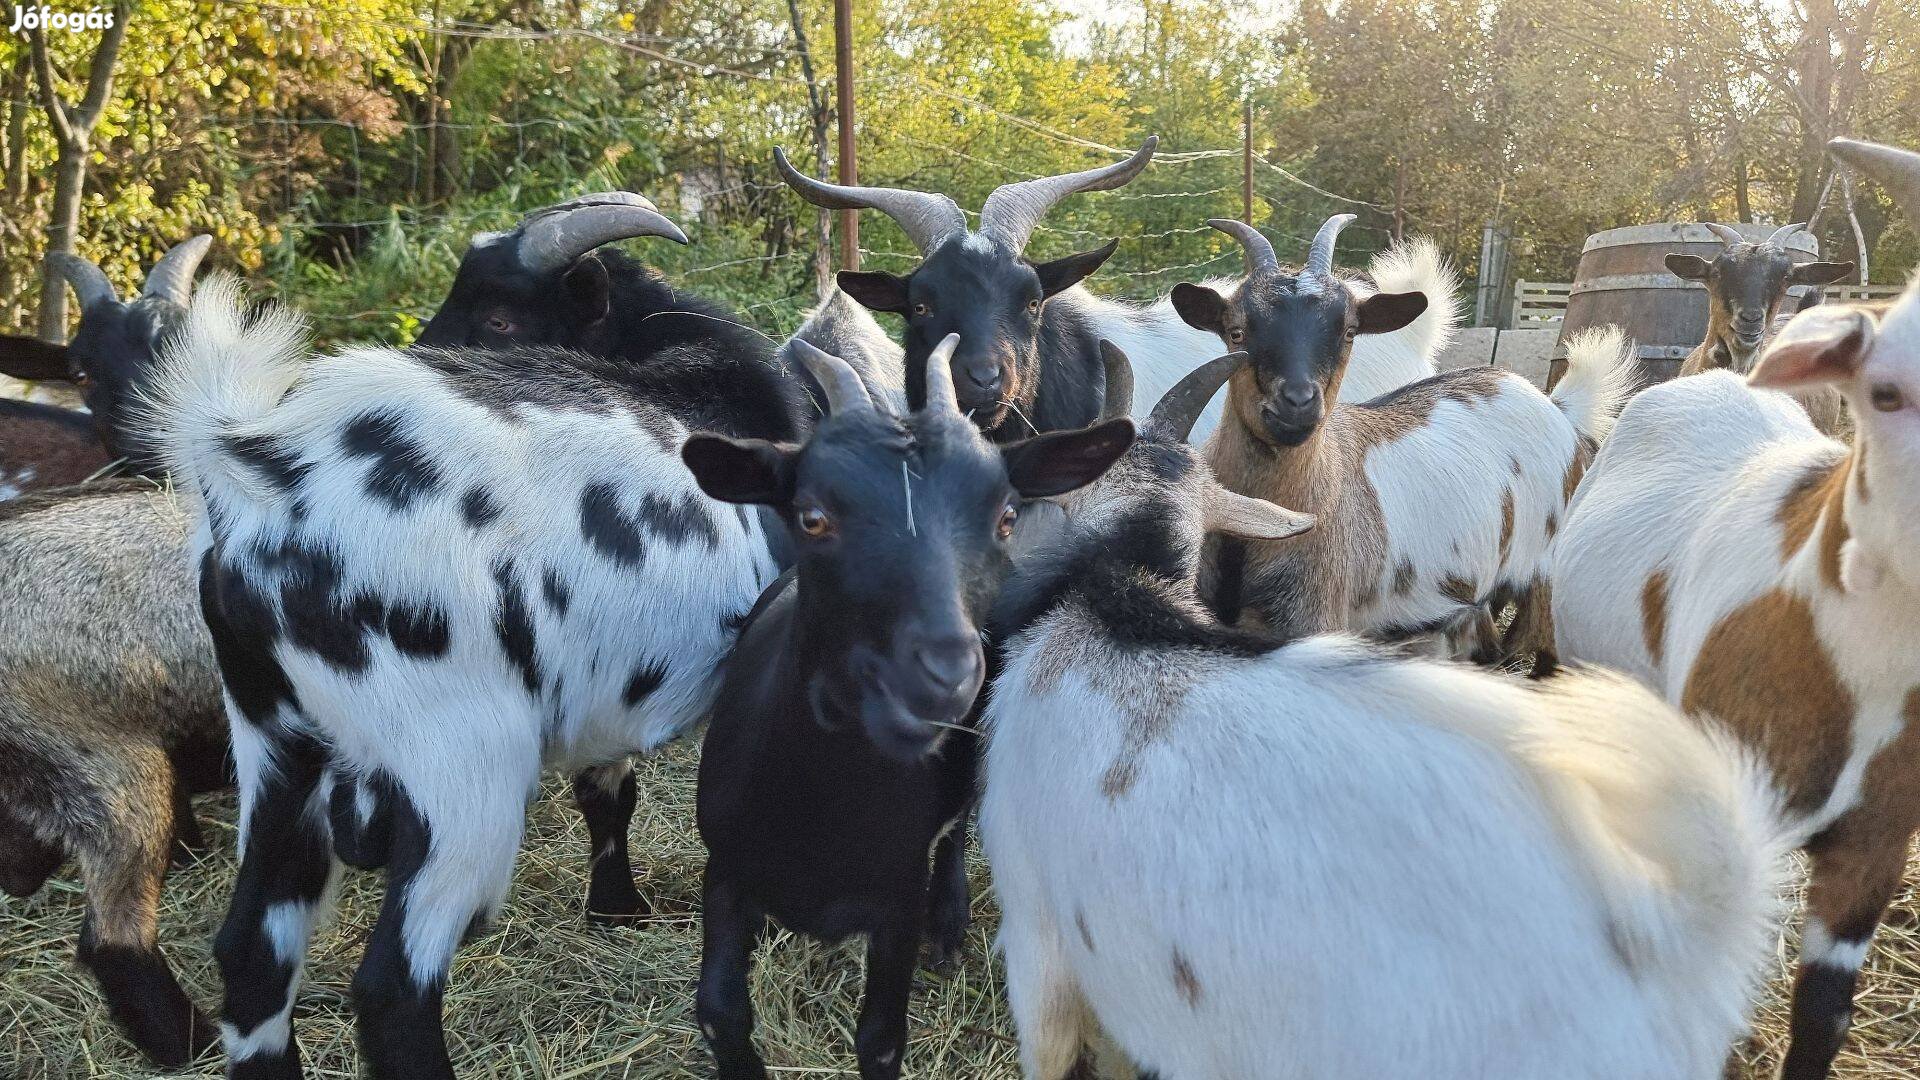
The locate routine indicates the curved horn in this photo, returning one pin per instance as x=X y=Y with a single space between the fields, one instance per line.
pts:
x=1119 y=370
x=845 y=392
x=1320 y=255
x=1784 y=232
x=940 y=393
x=1013 y=210
x=926 y=218
x=551 y=239
x=1180 y=408
x=172 y=277
x=1729 y=237
x=1896 y=170
x=89 y=282
x=1260 y=256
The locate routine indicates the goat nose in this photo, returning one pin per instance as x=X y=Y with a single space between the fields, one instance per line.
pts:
x=984 y=376
x=950 y=665
x=1298 y=396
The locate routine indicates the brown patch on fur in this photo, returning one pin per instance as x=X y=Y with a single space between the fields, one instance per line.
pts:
x=1764 y=673
x=1459 y=589
x=1553 y=524
x=1506 y=523
x=1403 y=578
x=1653 y=615
x=1576 y=468
x=1860 y=471
x=1086 y=935
x=42 y=447
x=1185 y=981
x=1518 y=470
x=1817 y=500
x=1531 y=630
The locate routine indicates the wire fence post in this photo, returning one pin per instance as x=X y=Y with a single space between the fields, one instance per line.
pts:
x=1246 y=161
x=849 y=170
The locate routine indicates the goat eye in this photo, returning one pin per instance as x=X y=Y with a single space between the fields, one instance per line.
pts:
x=815 y=522
x=921 y=309
x=1008 y=516
x=1236 y=335
x=1887 y=398
x=500 y=324
x=1033 y=307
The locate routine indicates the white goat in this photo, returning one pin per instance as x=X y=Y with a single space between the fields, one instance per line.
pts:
x=1248 y=859
x=1725 y=553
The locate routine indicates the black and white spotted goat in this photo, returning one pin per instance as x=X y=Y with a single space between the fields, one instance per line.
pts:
x=831 y=766
x=439 y=572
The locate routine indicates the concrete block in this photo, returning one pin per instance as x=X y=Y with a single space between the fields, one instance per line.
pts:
x=1471 y=347
x=1528 y=352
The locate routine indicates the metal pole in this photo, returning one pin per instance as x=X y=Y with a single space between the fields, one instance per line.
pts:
x=849 y=171
x=1246 y=161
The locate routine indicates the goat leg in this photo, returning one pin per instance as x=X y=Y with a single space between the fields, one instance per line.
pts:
x=730 y=925
x=606 y=795
x=881 y=1039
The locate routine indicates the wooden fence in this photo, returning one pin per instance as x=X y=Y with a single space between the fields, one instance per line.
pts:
x=1540 y=305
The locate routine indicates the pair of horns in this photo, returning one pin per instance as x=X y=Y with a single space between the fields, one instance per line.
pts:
x=1730 y=236
x=1260 y=257
x=1009 y=215
x=1894 y=169
x=552 y=238
x=170 y=279
x=846 y=393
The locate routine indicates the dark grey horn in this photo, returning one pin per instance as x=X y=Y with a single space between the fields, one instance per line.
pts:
x=926 y=218
x=1320 y=255
x=551 y=239
x=845 y=392
x=1728 y=236
x=172 y=277
x=1013 y=210
x=1782 y=234
x=1895 y=169
x=1260 y=256
x=89 y=282
x=940 y=392
x=1180 y=408
x=1119 y=370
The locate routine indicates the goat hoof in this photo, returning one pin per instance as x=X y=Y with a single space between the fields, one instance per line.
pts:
x=617 y=911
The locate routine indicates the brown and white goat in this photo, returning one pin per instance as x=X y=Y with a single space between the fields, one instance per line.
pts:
x=1727 y=554
x=1437 y=503
x=1746 y=289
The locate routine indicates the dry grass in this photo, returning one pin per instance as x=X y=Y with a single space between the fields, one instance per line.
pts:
x=547 y=996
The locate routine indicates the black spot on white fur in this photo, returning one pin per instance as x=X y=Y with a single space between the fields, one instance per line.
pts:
x=515 y=627
x=402 y=472
x=479 y=508
x=611 y=532
x=646 y=678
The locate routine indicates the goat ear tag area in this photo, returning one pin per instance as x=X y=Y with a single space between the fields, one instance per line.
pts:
x=1687 y=267
x=1822 y=344
x=1063 y=461
x=1199 y=307
x=875 y=290
x=1383 y=313
x=31 y=360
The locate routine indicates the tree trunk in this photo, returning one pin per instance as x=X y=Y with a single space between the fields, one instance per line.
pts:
x=817 y=108
x=69 y=184
x=1742 y=203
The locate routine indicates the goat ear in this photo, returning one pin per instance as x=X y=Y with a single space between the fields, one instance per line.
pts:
x=1061 y=461
x=1383 y=313
x=588 y=287
x=1250 y=519
x=741 y=470
x=1688 y=267
x=1820 y=345
x=1062 y=274
x=32 y=360
x=1200 y=307
x=876 y=290
x=1818 y=273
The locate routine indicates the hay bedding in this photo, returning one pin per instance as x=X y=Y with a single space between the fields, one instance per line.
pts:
x=546 y=996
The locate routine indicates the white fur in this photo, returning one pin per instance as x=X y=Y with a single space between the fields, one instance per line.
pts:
x=1690 y=485
x=460 y=734
x=1164 y=349
x=1371 y=867
x=843 y=328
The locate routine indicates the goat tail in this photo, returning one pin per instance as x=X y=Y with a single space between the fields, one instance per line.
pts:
x=225 y=368
x=1416 y=265
x=1598 y=381
x=1681 y=827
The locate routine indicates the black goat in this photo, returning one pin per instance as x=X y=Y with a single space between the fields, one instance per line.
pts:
x=831 y=766
x=1030 y=355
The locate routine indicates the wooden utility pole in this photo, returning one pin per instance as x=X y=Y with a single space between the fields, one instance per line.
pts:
x=849 y=170
x=1246 y=161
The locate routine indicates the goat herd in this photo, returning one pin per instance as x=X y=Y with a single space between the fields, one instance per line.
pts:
x=1171 y=650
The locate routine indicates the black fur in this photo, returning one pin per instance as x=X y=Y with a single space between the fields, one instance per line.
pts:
x=276 y=464
x=402 y=471
x=647 y=677
x=515 y=627
x=479 y=508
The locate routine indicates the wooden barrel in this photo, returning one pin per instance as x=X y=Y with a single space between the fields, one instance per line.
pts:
x=1623 y=280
